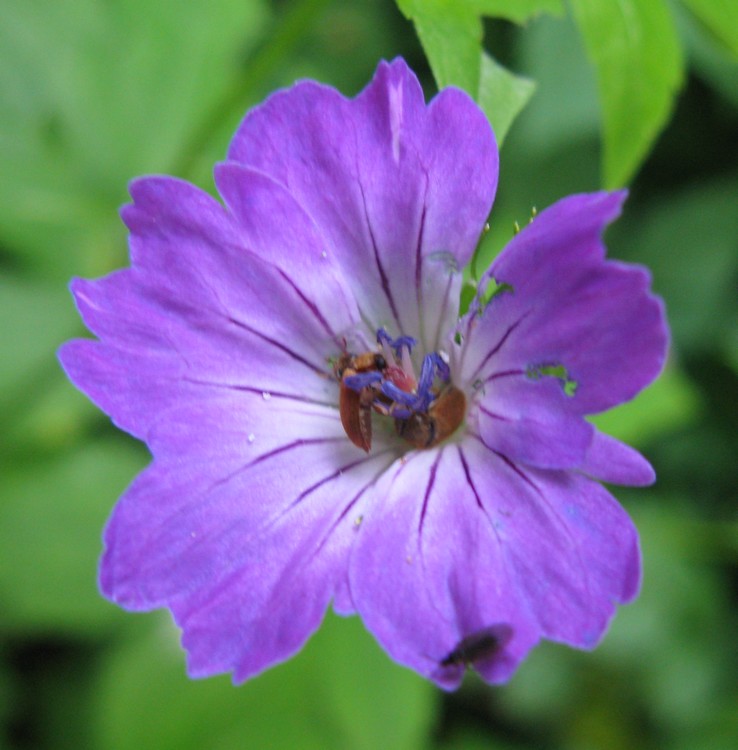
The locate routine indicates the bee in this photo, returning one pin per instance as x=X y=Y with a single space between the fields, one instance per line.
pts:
x=355 y=407
x=478 y=646
x=445 y=414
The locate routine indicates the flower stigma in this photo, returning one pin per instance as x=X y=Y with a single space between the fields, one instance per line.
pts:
x=426 y=409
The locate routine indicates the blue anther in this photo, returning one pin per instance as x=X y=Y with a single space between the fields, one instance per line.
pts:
x=432 y=366
x=442 y=369
x=396 y=344
x=399 y=396
x=427 y=373
x=361 y=380
x=383 y=337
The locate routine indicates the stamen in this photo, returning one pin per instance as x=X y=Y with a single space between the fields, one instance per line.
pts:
x=361 y=380
x=383 y=338
x=442 y=369
x=425 y=383
x=411 y=400
x=399 y=345
x=425 y=411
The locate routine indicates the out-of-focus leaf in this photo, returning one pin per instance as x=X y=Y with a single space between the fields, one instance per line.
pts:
x=36 y=318
x=451 y=34
x=690 y=242
x=669 y=403
x=38 y=408
x=359 y=675
x=518 y=11
x=341 y=691
x=6 y=695
x=51 y=517
x=564 y=112
x=634 y=46
x=674 y=638
x=720 y=17
x=469 y=739
x=91 y=94
x=718 y=729
x=544 y=686
x=55 y=416
x=707 y=54
x=502 y=95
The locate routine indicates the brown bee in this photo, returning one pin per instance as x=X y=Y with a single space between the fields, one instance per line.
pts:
x=478 y=646
x=446 y=413
x=356 y=406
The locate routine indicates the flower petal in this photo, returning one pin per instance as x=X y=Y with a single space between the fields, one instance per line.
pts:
x=428 y=571
x=198 y=312
x=397 y=207
x=532 y=421
x=185 y=242
x=277 y=229
x=609 y=460
x=570 y=548
x=595 y=318
x=245 y=551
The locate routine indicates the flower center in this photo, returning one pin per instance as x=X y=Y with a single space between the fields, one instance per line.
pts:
x=426 y=410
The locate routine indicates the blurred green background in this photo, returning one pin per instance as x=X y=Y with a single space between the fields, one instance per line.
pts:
x=95 y=92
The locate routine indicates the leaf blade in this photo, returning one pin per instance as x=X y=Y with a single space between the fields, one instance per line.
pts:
x=502 y=95
x=720 y=17
x=635 y=50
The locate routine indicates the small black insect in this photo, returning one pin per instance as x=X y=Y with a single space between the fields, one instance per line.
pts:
x=479 y=645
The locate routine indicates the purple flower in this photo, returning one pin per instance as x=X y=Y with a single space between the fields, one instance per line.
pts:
x=325 y=428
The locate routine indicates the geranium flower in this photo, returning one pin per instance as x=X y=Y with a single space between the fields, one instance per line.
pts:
x=324 y=427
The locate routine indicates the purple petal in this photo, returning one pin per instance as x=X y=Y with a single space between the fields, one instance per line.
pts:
x=400 y=191
x=186 y=243
x=532 y=421
x=428 y=570
x=245 y=551
x=570 y=549
x=199 y=312
x=609 y=460
x=570 y=307
x=277 y=229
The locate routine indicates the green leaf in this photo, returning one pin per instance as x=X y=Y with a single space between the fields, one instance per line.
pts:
x=565 y=111
x=39 y=408
x=92 y=94
x=518 y=11
x=669 y=403
x=707 y=55
x=52 y=514
x=502 y=95
x=389 y=706
x=451 y=35
x=340 y=691
x=42 y=316
x=634 y=46
x=673 y=639
x=720 y=17
x=688 y=240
